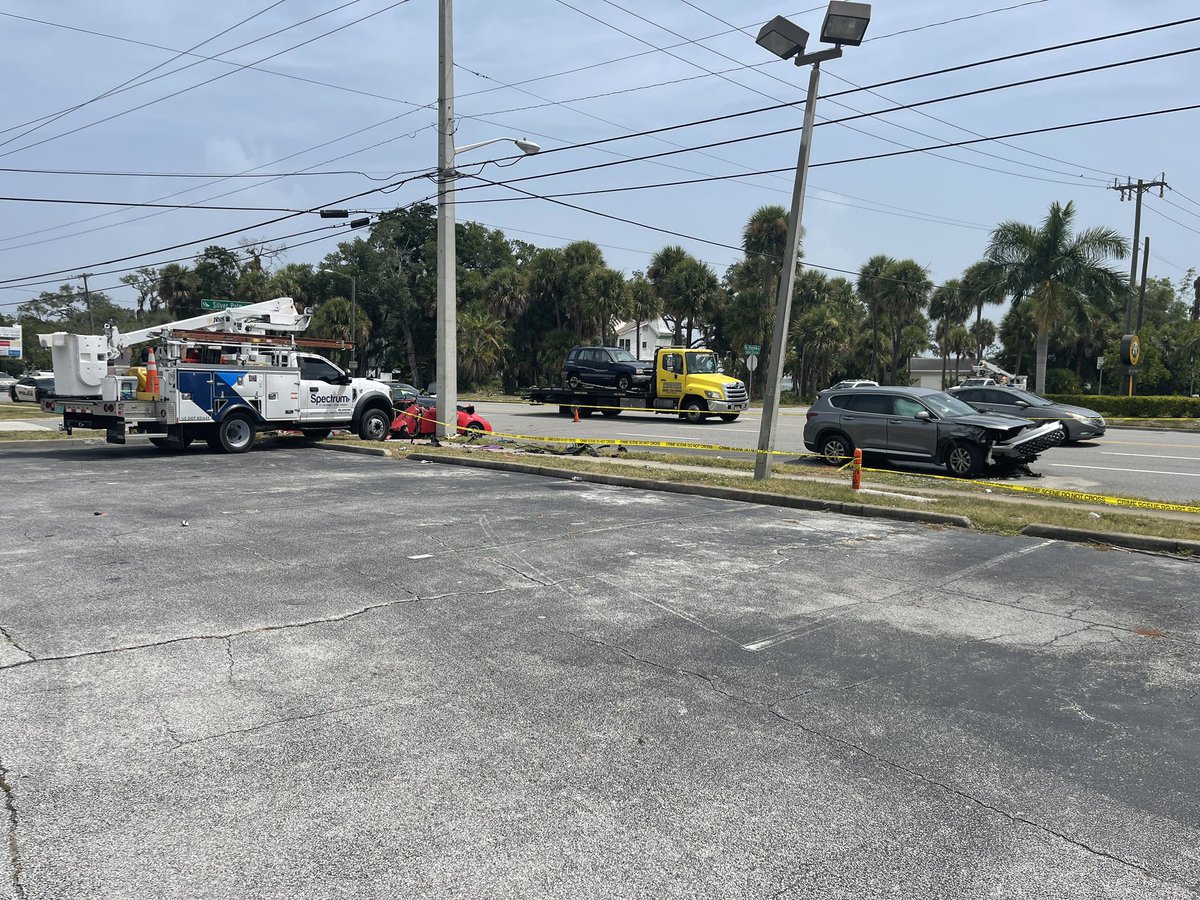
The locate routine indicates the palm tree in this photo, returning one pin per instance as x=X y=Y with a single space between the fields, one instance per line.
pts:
x=1056 y=271
x=903 y=299
x=871 y=284
x=983 y=283
x=948 y=307
x=765 y=239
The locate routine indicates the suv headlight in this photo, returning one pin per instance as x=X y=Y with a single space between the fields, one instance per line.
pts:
x=714 y=395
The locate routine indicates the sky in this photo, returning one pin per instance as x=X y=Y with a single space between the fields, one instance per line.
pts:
x=332 y=103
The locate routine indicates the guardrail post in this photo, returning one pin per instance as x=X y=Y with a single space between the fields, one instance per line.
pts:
x=856 y=470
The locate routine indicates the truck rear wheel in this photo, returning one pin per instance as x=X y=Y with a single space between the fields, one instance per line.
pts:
x=236 y=433
x=374 y=425
x=611 y=411
x=694 y=411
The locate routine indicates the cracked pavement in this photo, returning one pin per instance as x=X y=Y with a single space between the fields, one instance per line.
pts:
x=322 y=687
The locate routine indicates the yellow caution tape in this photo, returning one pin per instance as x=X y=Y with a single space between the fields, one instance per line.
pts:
x=694 y=445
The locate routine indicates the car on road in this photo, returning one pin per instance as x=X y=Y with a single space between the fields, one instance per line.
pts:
x=419 y=419
x=32 y=389
x=853 y=383
x=922 y=425
x=1078 y=422
x=606 y=366
x=403 y=393
x=7 y=381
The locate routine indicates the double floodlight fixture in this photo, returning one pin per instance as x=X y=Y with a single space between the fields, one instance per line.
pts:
x=845 y=23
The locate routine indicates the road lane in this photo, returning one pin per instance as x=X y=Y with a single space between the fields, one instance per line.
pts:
x=1137 y=463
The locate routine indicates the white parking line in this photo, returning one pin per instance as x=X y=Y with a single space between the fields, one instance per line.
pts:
x=1131 y=471
x=1156 y=456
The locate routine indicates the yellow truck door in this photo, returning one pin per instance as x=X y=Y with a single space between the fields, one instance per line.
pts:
x=669 y=375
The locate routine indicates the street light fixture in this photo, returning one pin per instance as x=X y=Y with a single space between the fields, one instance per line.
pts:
x=353 y=316
x=845 y=23
x=447 y=288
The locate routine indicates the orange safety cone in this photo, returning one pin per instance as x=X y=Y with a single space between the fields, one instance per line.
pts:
x=575 y=413
x=151 y=374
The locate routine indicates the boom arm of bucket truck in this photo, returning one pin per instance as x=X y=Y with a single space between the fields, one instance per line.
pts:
x=81 y=360
x=983 y=366
x=267 y=317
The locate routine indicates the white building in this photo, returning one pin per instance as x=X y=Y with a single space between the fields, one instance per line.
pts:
x=927 y=371
x=640 y=338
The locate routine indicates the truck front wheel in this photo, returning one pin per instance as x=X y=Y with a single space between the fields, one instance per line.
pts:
x=374 y=425
x=236 y=433
x=694 y=411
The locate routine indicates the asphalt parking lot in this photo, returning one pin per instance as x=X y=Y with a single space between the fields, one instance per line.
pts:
x=352 y=677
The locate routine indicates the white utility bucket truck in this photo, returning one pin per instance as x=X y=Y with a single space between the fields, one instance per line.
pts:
x=223 y=376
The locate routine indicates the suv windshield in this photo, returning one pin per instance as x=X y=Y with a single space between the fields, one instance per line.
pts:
x=619 y=354
x=701 y=362
x=946 y=405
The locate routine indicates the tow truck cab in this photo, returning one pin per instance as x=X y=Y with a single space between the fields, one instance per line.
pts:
x=692 y=381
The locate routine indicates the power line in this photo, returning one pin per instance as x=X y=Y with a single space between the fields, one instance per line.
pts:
x=701 y=121
x=217 y=181
x=886 y=155
x=202 y=58
x=130 y=204
x=919 y=112
x=213 y=237
x=54 y=117
x=214 y=78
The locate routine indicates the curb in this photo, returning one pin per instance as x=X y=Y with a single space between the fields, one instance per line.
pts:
x=721 y=493
x=347 y=448
x=1113 y=539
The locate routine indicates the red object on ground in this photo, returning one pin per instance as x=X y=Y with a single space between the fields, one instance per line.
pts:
x=421 y=421
x=856 y=470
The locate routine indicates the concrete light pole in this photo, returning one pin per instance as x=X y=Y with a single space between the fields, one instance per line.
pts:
x=447 y=273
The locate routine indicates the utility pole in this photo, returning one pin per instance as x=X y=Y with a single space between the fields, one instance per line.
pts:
x=87 y=299
x=447 y=287
x=1130 y=190
x=1142 y=285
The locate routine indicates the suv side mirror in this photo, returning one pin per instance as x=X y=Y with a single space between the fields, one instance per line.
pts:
x=924 y=415
x=1021 y=403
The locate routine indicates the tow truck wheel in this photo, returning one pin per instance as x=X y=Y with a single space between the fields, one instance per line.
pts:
x=964 y=460
x=610 y=411
x=694 y=411
x=236 y=433
x=374 y=425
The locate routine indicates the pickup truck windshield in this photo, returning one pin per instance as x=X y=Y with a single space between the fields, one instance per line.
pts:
x=702 y=363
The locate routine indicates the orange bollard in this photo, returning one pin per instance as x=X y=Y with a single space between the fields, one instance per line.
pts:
x=151 y=373
x=856 y=470
x=575 y=413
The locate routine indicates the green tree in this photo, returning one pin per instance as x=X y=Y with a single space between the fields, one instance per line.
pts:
x=1055 y=271
x=872 y=283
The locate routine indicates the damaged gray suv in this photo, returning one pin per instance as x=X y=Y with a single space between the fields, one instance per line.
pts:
x=922 y=425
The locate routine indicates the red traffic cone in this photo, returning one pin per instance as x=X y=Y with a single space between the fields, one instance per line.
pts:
x=575 y=413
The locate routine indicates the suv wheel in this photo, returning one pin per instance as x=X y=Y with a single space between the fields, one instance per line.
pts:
x=964 y=460
x=836 y=448
x=624 y=382
x=573 y=381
